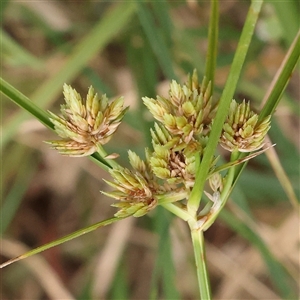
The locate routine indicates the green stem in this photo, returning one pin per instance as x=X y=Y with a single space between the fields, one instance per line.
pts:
x=100 y=161
x=62 y=240
x=178 y=211
x=171 y=197
x=276 y=89
x=25 y=103
x=112 y=163
x=281 y=79
x=198 y=246
x=200 y=259
x=211 y=56
x=195 y=198
x=229 y=178
x=224 y=104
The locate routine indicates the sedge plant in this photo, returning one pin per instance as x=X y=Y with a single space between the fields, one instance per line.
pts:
x=190 y=124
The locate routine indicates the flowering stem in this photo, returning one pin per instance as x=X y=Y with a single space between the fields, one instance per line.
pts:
x=21 y=100
x=211 y=56
x=281 y=79
x=200 y=259
x=176 y=210
x=198 y=246
x=224 y=103
x=99 y=160
x=195 y=197
x=112 y=163
x=172 y=197
x=274 y=93
x=62 y=240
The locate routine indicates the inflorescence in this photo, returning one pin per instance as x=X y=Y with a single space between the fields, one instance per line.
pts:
x=184 y=119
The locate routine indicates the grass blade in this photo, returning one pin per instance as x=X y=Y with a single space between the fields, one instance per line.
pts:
x=277 y=88
x=201 y=268
x=225 y=100
x=281 y=79
x=211 y=57
x=62 y=240
x=24 y=102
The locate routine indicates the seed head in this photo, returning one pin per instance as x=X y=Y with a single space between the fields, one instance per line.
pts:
x=135 y=189
x=187 y=112
x=85 y=123
x=172 y=159
x=241 y=130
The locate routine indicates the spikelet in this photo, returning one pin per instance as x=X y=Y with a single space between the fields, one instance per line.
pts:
x=85 y=123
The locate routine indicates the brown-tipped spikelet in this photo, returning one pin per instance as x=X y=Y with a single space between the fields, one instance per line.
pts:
x=172 y=159
x=84 y=124
x=241 y=130
x=187 y=112
x=135 y=189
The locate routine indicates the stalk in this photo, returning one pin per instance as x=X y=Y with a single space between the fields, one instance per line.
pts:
x=200 y=259
x=211 y=56
x=22 y=101
x=224 y=104
x=62 y=240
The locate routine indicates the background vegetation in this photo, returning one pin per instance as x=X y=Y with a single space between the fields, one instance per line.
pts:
x=132 y=49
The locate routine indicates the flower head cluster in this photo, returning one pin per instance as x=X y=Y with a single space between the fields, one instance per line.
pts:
x=85 y=123
x=185 y=118
x=135 y=189
x=173 y=160
x=187 y=112
x=241 y=130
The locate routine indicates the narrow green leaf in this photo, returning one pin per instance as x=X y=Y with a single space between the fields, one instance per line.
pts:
x=276 y=89
x=225 y=100
x=24 y=102
x=281 y=79
x=211 y=56
x=62 y=240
